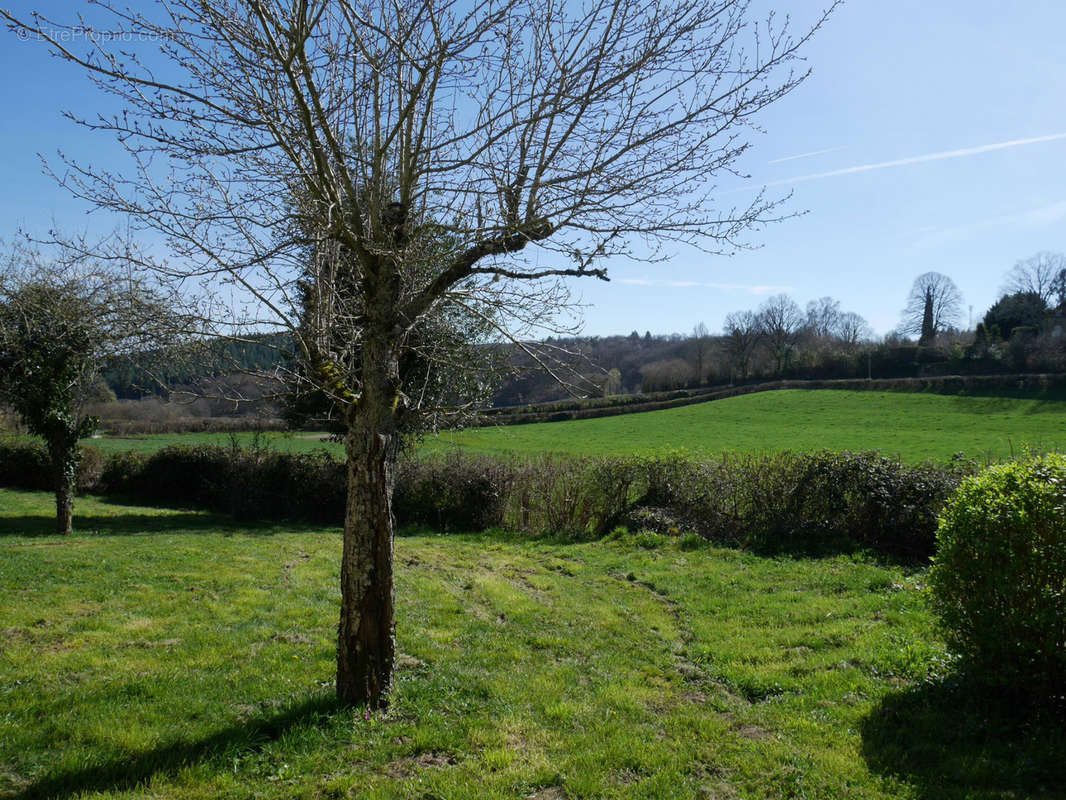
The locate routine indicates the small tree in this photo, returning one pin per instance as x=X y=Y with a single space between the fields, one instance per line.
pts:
x=612 y=382
x=59 y=323
x=1058 y=292
x=928 y=333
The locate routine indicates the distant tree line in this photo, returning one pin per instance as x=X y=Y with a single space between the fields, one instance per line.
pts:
x=1022 y=331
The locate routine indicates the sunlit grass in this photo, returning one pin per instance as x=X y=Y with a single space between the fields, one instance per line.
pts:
x=173 y=654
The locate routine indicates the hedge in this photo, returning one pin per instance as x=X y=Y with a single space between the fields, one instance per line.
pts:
x=771 y=502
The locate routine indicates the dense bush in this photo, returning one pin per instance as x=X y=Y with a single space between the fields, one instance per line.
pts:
x=180 y=475
x=875 y=501
x=90 y=470
x=577 y=497
x=250 y=483
x=120 y=472
x=265 y=484
x=454 y=492
x=25 y=465
x=795 y=501
x=999 y=576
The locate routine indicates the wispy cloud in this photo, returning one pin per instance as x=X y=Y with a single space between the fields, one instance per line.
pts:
x=902 y=162
x=805 y=155
x=725 y=287
x=1029 y=218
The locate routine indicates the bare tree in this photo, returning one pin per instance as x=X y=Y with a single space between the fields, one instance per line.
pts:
x=1038 y=274
x=701 y=342
x=542 y=136
x=660 y=376
x=742 y=331
x=823 y=317
x=852 y=329
x=933 y=305
x=780 y=322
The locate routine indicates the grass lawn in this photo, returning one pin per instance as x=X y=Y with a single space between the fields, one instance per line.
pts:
x=912 y=426
x=160 y=653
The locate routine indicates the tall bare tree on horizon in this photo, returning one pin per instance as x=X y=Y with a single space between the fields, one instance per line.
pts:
x=933 y=305
x=541 y=136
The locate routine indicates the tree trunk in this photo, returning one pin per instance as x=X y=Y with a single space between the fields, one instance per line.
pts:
x=365 y=645
x=65 y=507
x=64 y=475
x=366 y=634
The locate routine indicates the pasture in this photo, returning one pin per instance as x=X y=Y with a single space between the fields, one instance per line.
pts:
x=178 y=654
x=911 y=426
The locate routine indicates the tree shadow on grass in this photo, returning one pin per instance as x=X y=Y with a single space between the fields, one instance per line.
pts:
x=133 y=524
x=996 y=401
x=127 y=773
x=957 y=739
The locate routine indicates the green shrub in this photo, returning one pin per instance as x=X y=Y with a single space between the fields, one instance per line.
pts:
x=249 y=483
x=777 y=501
x=121 y=470
x=266 y=484
x=575 y=497
x=648 y=540
x=691 y=541
x=454 y=492
x=90 y=470
x=25 y=465
x=999 y=576
x=875 y=501
x=800 y=501
x=183 y=475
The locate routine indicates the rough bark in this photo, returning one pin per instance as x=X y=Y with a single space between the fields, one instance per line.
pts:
x=64 y=508
x=64 y=472
x=365 y=642
x=366 y=634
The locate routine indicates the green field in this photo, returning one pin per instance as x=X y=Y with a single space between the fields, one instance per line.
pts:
x=176 y=654
x=911 y=426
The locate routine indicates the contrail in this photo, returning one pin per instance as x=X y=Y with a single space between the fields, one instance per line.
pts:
x=805 y=155
x=967 y=151
x=728 y=287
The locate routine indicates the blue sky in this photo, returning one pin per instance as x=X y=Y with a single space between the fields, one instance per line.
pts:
x=931 y=136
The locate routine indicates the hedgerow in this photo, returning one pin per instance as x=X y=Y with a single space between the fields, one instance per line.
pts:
x=779 y=501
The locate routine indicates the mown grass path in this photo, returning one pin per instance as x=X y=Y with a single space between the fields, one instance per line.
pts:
x=174 y=654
